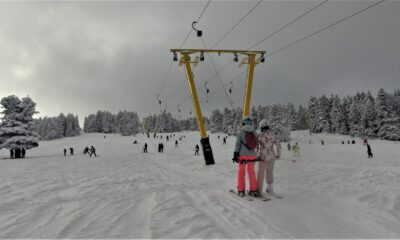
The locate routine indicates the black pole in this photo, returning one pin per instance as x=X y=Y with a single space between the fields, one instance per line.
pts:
x=207 y=151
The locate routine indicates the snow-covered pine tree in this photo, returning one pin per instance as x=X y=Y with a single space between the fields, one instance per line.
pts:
x=292 y=115
x=227 y=120
x=355 y=117
x=368 y=117
x=323 y=118
x=301 y=119
x=280 y=123
x=238 y=120
x=312 y=113
x=17 y=126
x=388 y=120
x=337 y=116
x=346 y=106
x=396 y=97
x=216 y=120
x=253 y=114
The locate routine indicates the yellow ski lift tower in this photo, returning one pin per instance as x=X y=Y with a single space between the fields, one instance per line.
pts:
x=250 y=59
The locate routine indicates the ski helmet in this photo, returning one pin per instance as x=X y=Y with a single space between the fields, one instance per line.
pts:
x=264 y=124
x=247 y=121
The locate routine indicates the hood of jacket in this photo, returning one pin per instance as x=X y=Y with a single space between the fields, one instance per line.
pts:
x=248 y=128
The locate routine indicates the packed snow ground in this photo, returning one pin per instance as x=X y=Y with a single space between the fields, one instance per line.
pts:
x=331 y=191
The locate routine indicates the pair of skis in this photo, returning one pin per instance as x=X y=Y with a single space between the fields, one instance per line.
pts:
x=251 y=198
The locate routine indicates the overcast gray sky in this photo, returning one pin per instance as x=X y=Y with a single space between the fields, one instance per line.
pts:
x=79 y=57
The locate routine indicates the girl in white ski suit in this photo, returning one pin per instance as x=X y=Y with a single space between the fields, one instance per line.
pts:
x=267 y=156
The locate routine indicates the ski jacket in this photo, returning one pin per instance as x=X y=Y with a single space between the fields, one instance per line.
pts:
x=240 y=145
x=266 y=141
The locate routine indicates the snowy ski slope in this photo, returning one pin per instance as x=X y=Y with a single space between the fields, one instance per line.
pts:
x=331 y=191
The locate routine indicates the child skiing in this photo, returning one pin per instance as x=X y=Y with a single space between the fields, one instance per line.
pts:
x=267 y=156
x=296 y=150
x=246 y=157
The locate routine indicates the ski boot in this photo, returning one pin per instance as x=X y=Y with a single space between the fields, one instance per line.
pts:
x=254 y=194
x=270 y=190
x=241 y=193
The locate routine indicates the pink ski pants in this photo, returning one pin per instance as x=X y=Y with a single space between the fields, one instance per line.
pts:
x=241 y=184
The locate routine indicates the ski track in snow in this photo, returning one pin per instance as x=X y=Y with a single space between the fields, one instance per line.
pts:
x=331 y=191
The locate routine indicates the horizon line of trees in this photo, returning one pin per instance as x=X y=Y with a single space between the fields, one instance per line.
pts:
x=124 y=122
x=50 y=128
x=361 y=115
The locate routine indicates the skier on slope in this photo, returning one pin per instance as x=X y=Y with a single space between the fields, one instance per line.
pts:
x=246 y=157
x=296 y=150
x=267 y=156
x=196 y=150
x=369 y=151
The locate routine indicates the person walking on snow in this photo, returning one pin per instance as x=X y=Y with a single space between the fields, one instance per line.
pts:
x=246 y=157
x=92 y=151
x=289 y=148
x=65 y=152
x=267 y=156
x=369 y=151
x=176 y=143
x=296 y=150
x=145 y=148
x=196 y=150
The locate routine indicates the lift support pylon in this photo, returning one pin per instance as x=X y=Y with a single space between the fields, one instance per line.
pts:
x=251 y=60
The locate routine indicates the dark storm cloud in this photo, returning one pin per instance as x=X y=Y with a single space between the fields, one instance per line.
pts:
x=83 y=56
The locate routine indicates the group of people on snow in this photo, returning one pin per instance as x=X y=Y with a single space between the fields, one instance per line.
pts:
x=71 y=151
x=17 y=153
x=295 y=148
x=90 y=152
x=251 y=148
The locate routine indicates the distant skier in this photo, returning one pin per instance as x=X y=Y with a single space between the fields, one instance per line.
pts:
x=348 y=141
x=86 y=150
x=224 y=141
x=11 y=153
x=196 y=150
x=296 y=150
x=218 y=136
x=267 y=156
x=161 y=147
x=246 y=157
x=145 y=148
x=71 y=151
x=92 y=151
x=322 y=142
x=167 y=138
x=65 y=152
x=289 y=148
x=23 y=152
x=369 y=151
x=365 y=141
x=342 y=142
x=176 y=143
x=135 y=142
x=353 y=142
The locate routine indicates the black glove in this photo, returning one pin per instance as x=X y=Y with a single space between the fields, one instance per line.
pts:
x=235 y=157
